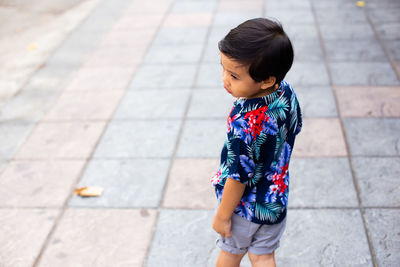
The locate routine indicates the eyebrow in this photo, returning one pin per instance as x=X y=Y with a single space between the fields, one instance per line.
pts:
x=230 y=70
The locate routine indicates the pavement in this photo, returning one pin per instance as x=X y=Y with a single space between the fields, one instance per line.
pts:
x=127 y=95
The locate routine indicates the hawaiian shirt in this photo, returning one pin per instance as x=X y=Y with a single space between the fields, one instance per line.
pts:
x=259 y=142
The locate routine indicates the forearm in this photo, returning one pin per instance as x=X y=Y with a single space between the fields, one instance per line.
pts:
x=233 y=192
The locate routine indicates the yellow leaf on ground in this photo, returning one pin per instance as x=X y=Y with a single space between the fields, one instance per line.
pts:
x=32 y=47
x=360 y=3
x=89 y=191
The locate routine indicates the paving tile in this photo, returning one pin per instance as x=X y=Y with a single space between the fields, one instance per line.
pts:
x=191 y=189
x=120 y=57
x=393 y=48
x=211 y=53
x=382 y=15
x=61 y=140
x=368 y=101
x=363 y=73
x=108 y=78
x=302 y=32
x=218 y=32
x=324 y=107
x=237 y=5
x=28 y=105
x=128 y=37
x=389 y=4
x=12 y=136
x=355 y=50
x=327 y=238
x=169 y=104
x=373 y=136
x=173 y=54
x=138 y=21
x=72 y=244
x=178 y=228
x=139 y=138
x=354 y=31
x=389 y=30
x=378 y=177
x=202 y=138
x=23 y=232
x=304 y=4
x=233 y=19
x=178 y=20
x=307 y=74
x=126 y=183
x=192 y=6
x=384 y=230
x=180 y=36
x=314 y=183
x=84 y=105
x=348 y=15
x=7 y=90
x=164 y=76
x=291 y=15
x=320 y=137
x=307 y=51
x=210 y=75
x=210 y=103
x=149 y=7
x=33 y=183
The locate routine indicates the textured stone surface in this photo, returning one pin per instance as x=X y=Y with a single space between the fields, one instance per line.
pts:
x=180 y=36
x=12 y=136
x=368 y=101
x=202 y=138
x=23 y=232
x=163 y=76
x=175 y=230
x=292 y=15
x=320 y=138
x=210 y=75
x=193 y=6
x=325 y=105
x=363 y=73
x=210 y=103
x=232 y=19
x=191 y=189
x=153 y=104
x=38 y=183
x=355 y=31
x=87 y=105
x=384 y=229
x=170 y=54
x=126 y=183
x=378 y=177
x=61 y=140
x=373 y=137
x=125 y=139
x=338 y=50
x=194 y=19
x=321 y=182
x=307 y=50
x=307 y=74
x=83 y=236
x=324 y=238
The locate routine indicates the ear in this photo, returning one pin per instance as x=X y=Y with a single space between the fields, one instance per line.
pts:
x=268 y=82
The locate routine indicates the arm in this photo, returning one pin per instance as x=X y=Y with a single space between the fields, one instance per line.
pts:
x=233 y=192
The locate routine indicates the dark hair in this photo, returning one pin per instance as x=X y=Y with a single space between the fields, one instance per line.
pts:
x=262 y=45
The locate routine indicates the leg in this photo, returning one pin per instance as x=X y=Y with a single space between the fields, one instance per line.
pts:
x=267 y=260
x=226 y=259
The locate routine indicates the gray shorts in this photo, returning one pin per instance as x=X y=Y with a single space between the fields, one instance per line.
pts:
x=255 y=238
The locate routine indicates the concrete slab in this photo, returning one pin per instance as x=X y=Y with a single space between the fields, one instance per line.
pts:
x=191 y=189
x=287 y=4
x=372 y=136
x=173 y=54
x=210 y=103
x=210 y=75
x=202 y=138
x=23 y=232
x=381 y=179
x=84 y=105
x=211 y=53
x=384 y=232
x=368 y=101
x=354 y=31
x=12 y=136
x=229 y=6
x=233 y=19
x=307 y=74
x=151 y=104
x=163 y=76
x=314 y=183
x=393 y=48
x=302 y=32
x=126 y=183
x=180 y=36
x=193 y=6
x=363 y=73
x=291 y=15
x=389 y=30
x=179 y=20
x=38 y=183
x=120 y=57
x=139 y=138
x=345 y=16
x=324 y=107
x=320 y=137
x=324 y=238
x=63 y=140
x=355 y=50
x=307 y=50
x=381 y=15
x=175 y=230
x=83 y=236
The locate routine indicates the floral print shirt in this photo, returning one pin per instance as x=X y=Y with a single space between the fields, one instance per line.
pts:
x=259 y=142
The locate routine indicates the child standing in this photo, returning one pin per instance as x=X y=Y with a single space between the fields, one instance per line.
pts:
x=252 y=183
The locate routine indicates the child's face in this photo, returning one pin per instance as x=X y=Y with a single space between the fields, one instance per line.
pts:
x=238 y=82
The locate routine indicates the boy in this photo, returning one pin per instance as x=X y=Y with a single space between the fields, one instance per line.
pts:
x=253 y=178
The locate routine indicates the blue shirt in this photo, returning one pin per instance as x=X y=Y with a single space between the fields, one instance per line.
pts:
x=259 y=142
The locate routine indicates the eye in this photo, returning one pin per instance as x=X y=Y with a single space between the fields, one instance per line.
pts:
x=234 y=77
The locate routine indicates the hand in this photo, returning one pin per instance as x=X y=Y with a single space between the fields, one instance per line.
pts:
x=222 y=227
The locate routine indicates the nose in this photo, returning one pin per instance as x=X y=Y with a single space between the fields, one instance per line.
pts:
x=225 y=77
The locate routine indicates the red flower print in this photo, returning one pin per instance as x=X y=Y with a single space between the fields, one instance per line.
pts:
x=278 y=179
x=256 y=119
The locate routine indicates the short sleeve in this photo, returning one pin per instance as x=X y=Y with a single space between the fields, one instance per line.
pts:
x=299 y=120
